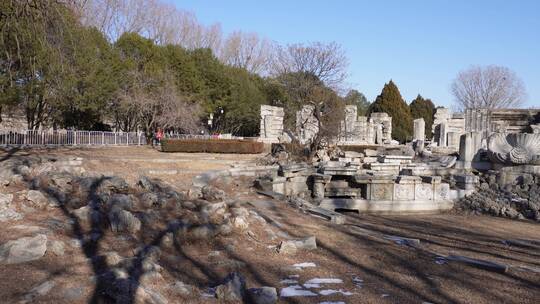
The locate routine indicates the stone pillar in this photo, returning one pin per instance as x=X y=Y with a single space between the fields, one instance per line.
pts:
x=442 y=135
x=319 y=183
x=419 y=129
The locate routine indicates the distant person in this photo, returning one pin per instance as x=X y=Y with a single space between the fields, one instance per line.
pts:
x=159 y=135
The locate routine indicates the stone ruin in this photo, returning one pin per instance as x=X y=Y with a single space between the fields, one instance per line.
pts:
x=447 y=129
x=271 y=123
x=377 y=129
x=372 y=181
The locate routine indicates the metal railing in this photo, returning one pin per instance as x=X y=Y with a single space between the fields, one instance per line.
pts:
x=70 y=138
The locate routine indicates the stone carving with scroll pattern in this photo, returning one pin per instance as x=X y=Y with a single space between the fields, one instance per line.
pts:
x=514 y=148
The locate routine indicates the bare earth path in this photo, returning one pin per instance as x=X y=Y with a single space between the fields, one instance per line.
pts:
x=373 y=269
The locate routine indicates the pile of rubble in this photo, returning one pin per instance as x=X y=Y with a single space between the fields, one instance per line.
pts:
x=151 y=216
x=516 y=201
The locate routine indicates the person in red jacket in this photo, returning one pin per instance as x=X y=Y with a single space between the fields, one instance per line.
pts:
x=159 y=135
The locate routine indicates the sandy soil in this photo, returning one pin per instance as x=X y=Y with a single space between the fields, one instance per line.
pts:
x=373 y=269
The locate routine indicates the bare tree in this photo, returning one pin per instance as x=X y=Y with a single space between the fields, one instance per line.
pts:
x=147 y=109
x=154 y=19
x=325 y=61
x=246 y=50
x=488 y=87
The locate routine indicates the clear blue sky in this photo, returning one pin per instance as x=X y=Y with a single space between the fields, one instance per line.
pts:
x=421 y=45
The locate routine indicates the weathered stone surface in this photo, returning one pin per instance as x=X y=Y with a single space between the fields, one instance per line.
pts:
x=74 y=293
x=124 y=221
x=7 y=212
x=23 y=250
x=263 y=295
x=149 y=199
x=5 y=199
x=120 y=201
x=233 y=288
x=181 y=289
x=211 y=193
x=113 y=184
x=56 y=247
x=37 y=198
x=292 y=246
x=38 y=291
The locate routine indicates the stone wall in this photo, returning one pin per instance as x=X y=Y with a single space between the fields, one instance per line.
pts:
x=271 y=127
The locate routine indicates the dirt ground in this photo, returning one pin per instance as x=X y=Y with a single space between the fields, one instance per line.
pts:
x=373 y=269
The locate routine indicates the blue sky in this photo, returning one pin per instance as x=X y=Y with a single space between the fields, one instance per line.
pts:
x=421 y=45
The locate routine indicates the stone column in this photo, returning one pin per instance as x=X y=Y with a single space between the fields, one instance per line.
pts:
x=442 y=135
x=419 y=129
x=319 y=183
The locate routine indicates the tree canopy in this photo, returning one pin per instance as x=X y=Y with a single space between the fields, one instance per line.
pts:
x=423 y=108
x=391 y=102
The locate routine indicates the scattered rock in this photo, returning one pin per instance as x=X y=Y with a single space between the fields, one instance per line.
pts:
x=123 y=221
x=38 y=199
x=263 y=295
x=113 y=259
x=233 y=288
x=5 y=199
x=211 y=193
x=74 y=294
x=291 y=246
x=146 y=295
x=120 y=201
x=240 y=222
x=56 y=247
x=24 y=249
x=149 y=199
x=38 y=291
x=181 y=289
x=113 y=184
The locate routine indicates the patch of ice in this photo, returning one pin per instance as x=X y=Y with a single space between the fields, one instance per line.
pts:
x=332 y=303
x=304 y=265
x=289 y=281
x=296 y=291
x=327 y=292
x=325 y=281
x=384 y=295
x=311 y=285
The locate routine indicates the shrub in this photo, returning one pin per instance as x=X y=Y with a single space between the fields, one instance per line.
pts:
x=212 y=146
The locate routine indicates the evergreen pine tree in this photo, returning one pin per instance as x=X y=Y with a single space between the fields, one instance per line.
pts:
x=423 y=108
x=391 y=102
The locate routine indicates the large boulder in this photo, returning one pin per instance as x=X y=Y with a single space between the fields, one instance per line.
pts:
x=7 y=213
x=24 y=249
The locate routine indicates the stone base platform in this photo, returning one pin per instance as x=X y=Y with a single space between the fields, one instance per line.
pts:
x=387 y=206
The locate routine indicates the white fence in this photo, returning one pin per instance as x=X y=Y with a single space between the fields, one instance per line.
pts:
x=70 y=138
